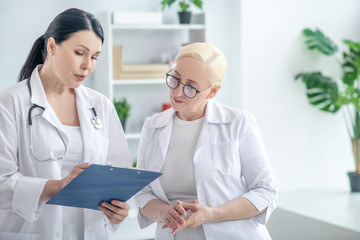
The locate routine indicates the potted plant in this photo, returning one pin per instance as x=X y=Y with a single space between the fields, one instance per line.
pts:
x=184 y=14
x=331 y=95
x=122 y=108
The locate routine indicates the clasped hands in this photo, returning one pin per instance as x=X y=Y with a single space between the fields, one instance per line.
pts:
x=174 y=215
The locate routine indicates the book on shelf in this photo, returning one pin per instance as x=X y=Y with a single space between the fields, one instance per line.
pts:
x=141 y=75
x=136 y=71
x=117 y=61
x=157 y=67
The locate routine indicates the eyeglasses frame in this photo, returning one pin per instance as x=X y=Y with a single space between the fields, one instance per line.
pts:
x=178 y=83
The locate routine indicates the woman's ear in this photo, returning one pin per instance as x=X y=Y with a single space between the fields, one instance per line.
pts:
x=213 y=92
x=51 y=46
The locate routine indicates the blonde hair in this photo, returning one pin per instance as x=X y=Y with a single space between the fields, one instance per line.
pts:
x=208 y=54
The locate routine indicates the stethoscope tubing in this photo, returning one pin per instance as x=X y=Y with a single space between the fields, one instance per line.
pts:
x=95 y=121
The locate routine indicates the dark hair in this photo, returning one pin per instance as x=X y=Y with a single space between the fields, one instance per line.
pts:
x=61 y=28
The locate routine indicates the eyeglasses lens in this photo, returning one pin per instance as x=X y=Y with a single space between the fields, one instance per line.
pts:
x=171 y=81
x=189 y=91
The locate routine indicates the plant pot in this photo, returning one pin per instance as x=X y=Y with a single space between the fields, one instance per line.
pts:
x=184 y=17
x=356 y=156
x=123 y=123
x=354 y=181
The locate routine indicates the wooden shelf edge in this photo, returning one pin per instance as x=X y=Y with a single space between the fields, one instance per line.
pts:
x=137 y=81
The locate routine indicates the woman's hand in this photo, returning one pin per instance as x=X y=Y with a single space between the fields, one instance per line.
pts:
x=116 y=211
x=239 y=208
x=54 y=186
x=74 y=173
x=199 y=214
x=172 y=216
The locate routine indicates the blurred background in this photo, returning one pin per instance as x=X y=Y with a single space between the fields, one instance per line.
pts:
x=310 y=151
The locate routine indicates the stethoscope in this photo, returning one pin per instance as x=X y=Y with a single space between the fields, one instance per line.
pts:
x=96 y=122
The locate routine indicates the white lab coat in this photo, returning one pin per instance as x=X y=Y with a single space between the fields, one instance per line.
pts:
x=230 y=161
x=22 y=178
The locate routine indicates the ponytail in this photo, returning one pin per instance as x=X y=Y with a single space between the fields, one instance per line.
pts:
x=35 y=57
x=61 y=28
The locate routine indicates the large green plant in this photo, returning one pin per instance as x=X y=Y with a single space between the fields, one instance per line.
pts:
x=183 y=4
x=330 y=94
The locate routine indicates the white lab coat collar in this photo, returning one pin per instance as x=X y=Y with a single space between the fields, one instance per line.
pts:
x=38 y=97
x=214 y=114
x=84 y=103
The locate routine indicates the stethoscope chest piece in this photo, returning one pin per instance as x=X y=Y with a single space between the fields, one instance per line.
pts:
x=97 y=122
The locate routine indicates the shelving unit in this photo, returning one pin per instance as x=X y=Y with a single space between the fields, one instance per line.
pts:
x=142 y=43
x=159 y=26
x=138 y=82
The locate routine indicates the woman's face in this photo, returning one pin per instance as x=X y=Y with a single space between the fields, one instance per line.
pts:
x=192 y=72
x=73 y=60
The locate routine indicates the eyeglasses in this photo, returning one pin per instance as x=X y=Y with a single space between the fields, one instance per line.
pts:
x=173 y=82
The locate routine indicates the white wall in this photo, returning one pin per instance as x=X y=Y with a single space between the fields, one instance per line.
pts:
x=308 y=148
x=22 y=22
x=223 y=30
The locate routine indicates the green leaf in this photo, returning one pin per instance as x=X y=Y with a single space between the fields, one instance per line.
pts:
x=352 y=45
x=184 y=6
x=351 y=95
x=317 y=102
x=317 y=40
x=322 y=91
x=197 y=3
x=330 y=108
x=351 y=67
x=165 y=3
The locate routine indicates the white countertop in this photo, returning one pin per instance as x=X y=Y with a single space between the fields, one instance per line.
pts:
x=338 y=207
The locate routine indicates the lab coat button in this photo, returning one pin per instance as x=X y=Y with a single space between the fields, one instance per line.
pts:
x=57 y=234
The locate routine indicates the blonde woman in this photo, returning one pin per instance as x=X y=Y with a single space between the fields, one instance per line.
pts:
x=217 y=181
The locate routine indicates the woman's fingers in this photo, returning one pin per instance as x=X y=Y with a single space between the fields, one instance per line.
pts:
x=116 y=211
x=171 y=221
x=173 y=217
x=180 y=209
x=74 y=173
x=83 y=165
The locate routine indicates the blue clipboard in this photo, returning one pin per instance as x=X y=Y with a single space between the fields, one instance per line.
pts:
x=101 y=183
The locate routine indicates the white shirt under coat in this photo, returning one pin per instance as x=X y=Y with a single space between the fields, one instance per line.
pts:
x=178 y=179
x=22 y=178
x=230 y=161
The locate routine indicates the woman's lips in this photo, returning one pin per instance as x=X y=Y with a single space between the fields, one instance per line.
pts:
x=80 y=77
x=177 y=101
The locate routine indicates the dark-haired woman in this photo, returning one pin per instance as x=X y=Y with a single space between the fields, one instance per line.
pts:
x=51 y=129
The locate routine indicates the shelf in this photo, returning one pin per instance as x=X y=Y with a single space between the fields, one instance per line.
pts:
x=138 y=81
x=133 y=136
x=158 y=26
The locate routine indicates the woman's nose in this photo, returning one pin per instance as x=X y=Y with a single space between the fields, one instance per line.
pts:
x=178 y=92
x=86 y=64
